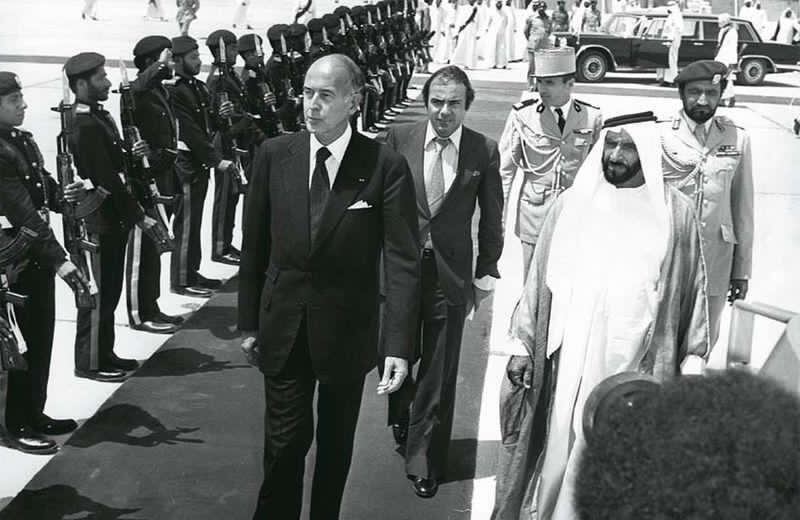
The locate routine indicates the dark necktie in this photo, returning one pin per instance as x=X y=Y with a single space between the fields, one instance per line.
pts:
x=561 y=120
x=320 y=189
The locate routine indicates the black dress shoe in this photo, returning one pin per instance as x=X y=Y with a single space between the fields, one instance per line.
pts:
x=400 y=432
x=166 y=318
x=235 y=252
x=207 y=283
x=227 y=258
x=24 y=439
x=156 y=327
x=48 y=426
x=115 y=362
x=192 y=290
x=104 y=375
x=425 y=487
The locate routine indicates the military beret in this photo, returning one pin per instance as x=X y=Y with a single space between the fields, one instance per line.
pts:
x=342 y=11
x=249 y=42
x=213 y=39
x=148 y=46
x=9 y=83
x=183 y=45
x=315 y=25
x=357 y=10
x=295 y=30
x=331 y=21
x=702 y=70
x=83 y=63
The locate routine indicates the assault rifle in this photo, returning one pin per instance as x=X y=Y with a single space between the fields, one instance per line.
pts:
x=12 y=253
x=76 y=237
x=268 y=112
x=231 y=145
x=139 y=173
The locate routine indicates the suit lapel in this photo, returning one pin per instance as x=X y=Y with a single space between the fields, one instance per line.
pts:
x=416 y=150
x=294 y=176
x=350 y=181
x=466 y=161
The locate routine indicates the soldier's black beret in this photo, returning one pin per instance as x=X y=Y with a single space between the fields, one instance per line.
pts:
x=149 y=46
x=331 y=21
x=183 y=44
x=357 y=11
x=342 y=11
x=9 y=83
x=82 y=63
x=213 y=39
x=275 y=32
x=702 y=70
x=249 y=42
x=295 y=30
x=315 y=25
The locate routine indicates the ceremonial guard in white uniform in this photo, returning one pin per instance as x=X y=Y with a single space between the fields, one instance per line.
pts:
x=711 y=161
x=547 y=140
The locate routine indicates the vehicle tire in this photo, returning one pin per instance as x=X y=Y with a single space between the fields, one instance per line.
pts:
x=592 y=67
x=753 y=72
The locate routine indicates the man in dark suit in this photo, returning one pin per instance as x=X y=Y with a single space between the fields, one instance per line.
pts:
x=453 y=167
x=322 y=207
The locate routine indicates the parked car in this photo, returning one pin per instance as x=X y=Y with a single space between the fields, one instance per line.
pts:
x=633 y=41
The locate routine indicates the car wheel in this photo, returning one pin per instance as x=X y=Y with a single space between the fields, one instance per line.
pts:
x=753 y=72
x=592 y=66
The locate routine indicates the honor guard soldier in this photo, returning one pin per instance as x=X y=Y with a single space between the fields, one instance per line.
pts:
x=191 y=104
x=27 y=194
x=547 y=139
x=708 y=157
x=320 y=45
x=231 y=135
x=156 y=122
x=279 y=76
x=260 y=93
x=97 y=145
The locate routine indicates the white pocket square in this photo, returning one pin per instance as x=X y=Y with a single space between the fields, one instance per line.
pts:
x=361 y=204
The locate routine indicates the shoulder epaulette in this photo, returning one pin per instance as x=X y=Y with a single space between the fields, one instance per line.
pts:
x=587 y=104
x=526 y=103
x=725 y=121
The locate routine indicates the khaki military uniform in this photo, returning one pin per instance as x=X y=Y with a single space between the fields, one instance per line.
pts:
x=719 y=176
x=548 y=157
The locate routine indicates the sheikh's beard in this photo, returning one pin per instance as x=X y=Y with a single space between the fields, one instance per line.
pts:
x=618 y=173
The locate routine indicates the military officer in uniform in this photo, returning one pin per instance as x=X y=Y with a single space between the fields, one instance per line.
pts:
x=538 y=28
x=260 y=94
x=708 y=157
x=191 y=104
x=156 y=122
x=96 y=143
x=547 y=139
x=27 y=194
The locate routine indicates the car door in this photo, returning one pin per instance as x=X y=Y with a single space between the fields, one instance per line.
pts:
x=693 y=46
x=651 y=49
x=710 y=33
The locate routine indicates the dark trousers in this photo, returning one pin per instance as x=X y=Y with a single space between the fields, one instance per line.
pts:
x=27 y=389
x=226 y=196
x=188 y=207
x=432 y=396
x=289 y=430
x=142 y=277
x=94 y=337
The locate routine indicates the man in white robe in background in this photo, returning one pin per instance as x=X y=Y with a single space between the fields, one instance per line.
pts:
x=673 y=31
x=617 y=284
x=466 y=36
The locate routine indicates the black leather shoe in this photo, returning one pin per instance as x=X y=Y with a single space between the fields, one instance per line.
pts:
x=227 y=258
x=105 y=375
x=207 y=283
x=115 y=362
x=26 y=440
x=156 y=327
x=166 y=318
x=48 y=426
x=425 y=487
x=235 y=252
x=192 y=290
x=400 y=432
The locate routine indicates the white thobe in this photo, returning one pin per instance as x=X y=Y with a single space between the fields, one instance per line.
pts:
x=240 y=14
x=465 y=53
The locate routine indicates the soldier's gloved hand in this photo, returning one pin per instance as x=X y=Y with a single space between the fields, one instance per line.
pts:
x=226 y=109
x=75 y=192
x=226 y=166
x=165 y=58
x=270 y=100
x=146 y=223
x=250 y=349
x=68 y=272
x=141 y=149
x=520 y=370
x=737 y=290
